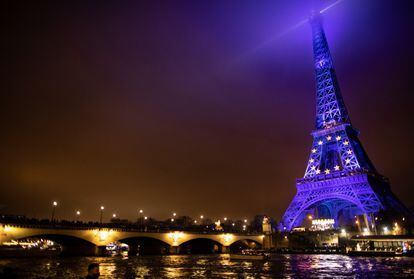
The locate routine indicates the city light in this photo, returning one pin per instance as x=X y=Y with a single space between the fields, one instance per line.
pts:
x=55 y=203
x=141 y=211
x=322 y=224
x=114 y=215
x=245 y=220
x=145 y=217
x=174 y=214
x=172 y=219
x=78 y=212
x=227 y=238
x=201 y=216
x=102 y=207
x=175 y=236
x=396 y=229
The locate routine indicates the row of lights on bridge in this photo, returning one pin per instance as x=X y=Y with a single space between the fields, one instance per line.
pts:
x=141 y=211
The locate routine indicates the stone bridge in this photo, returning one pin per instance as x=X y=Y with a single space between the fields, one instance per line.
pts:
x=93 y=241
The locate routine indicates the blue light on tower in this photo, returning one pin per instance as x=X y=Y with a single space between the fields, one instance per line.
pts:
x=340 y=181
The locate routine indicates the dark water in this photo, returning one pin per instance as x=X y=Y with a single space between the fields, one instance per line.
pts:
x=216 y=266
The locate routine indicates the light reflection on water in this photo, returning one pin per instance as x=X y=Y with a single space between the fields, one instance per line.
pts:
x=214 y=266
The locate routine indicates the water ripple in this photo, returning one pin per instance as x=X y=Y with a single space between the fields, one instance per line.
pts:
x=215 y=266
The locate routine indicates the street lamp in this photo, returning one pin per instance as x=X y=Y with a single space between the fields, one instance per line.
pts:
x=101 y=211
x=174 y=214
x=141 y=221
x=245 y=220
x=114 y=215
x=54 y=204
x=77 y=215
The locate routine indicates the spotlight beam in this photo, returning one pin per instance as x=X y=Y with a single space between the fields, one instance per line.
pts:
x=287 y=31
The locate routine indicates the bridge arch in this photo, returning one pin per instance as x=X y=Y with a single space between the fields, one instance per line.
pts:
x=244 y=243
x=145 y=245
x=200 y=245
x=70 y=245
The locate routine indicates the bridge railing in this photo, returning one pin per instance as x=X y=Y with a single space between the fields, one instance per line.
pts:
x=128 y=227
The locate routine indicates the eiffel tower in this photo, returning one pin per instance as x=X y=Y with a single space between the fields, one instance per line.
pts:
x=340 y=181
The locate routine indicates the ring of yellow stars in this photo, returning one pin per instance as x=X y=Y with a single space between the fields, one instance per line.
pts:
x=336 y=167
x=327 y=171
x=346 y=142
x=328 y=137
x=338 y=138
x=314 y=150
x=318 y=171
x=320 y=142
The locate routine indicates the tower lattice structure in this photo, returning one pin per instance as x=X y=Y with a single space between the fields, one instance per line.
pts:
x=340 y=182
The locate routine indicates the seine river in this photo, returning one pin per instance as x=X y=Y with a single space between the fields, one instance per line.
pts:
x=215 y=266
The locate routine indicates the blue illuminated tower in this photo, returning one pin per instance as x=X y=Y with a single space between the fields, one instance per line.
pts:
x=340 y=182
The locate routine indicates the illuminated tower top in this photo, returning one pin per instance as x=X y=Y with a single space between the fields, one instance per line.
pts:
x=330 y=107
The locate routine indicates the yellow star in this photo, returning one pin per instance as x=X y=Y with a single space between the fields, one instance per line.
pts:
x=320 y=142
x=336 y=167
x=349 y=151
x=314 y=150
x=318 y=171
x=347 y=161
x=313 y=167
x=327 y=171
x=311 y=160
x=346 y=142
x=328 y=137
x=338 y=138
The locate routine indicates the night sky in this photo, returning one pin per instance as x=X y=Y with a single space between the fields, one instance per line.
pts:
x=181 y=106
